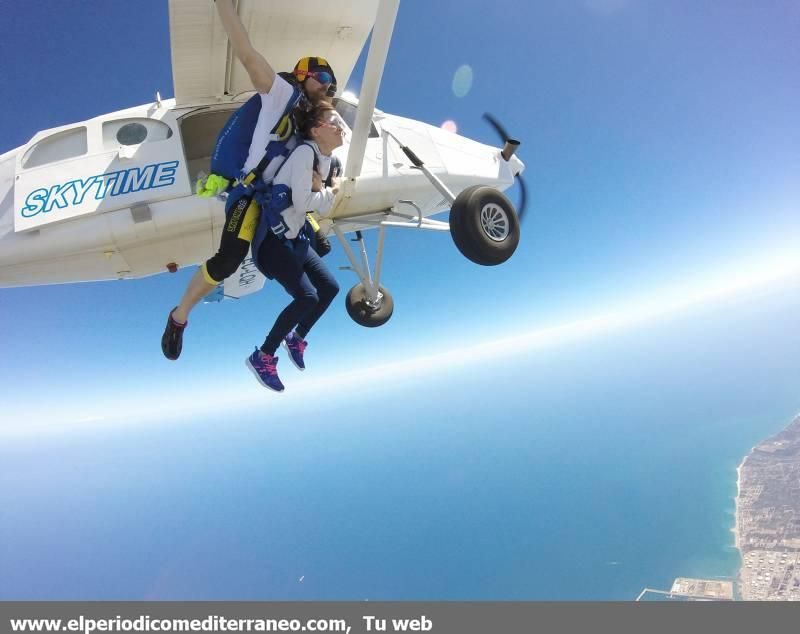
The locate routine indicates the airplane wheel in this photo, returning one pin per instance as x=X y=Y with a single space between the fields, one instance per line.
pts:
x=365 y=314
x=484 y=225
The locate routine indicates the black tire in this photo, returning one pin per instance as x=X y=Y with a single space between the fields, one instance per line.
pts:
x=364 y=314
x=484 y=225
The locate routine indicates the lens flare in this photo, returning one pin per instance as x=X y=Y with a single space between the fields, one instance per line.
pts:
x=462 y=81
x=450 y=126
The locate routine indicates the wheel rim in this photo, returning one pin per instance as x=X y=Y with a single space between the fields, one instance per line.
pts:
x=375 y=306
x=494 y=222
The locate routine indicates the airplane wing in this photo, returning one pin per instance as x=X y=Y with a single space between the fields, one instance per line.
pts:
x=203 y=64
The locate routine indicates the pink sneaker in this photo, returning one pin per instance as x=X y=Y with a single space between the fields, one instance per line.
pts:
x=265 y=367
x=295 y=347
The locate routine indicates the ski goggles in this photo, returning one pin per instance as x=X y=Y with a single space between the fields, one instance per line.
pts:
x=322 y=76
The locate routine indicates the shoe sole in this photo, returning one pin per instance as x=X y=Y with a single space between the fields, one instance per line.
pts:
x=291 y=358
x=258 y=377
x=165 y=340
x=167 y=355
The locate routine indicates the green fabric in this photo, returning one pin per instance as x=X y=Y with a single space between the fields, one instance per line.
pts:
x=210 y=186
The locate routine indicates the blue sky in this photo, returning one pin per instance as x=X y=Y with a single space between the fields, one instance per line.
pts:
x=662 y=151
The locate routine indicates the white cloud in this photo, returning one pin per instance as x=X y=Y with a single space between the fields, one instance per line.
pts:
x=186 y=405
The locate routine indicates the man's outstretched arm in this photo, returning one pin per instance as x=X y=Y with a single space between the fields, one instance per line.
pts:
x=261 y=73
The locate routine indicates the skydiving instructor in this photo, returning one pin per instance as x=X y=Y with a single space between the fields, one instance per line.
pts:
x=309 y=83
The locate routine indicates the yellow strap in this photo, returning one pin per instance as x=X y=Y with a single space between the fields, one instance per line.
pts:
x=314 y=223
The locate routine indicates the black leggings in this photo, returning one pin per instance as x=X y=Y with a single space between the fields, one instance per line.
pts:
x=241 y=219
x=301 y=272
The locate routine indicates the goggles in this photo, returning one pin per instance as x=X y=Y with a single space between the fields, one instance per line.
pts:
x=335 y=121
x=330 y=124
x=322 y=76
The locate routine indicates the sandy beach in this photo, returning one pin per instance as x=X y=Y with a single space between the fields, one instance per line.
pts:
x=735 y=529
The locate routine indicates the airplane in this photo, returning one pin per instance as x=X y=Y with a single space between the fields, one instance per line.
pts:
x=112 y=197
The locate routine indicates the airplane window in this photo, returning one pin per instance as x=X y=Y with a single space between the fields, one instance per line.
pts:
x=57 y=147
x=134 y=132
x=347 y=111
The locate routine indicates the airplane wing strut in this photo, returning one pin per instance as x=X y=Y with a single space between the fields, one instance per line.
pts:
x=376 y=59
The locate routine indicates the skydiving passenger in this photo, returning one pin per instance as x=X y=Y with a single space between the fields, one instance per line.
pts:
x=281 y=96
x=287 y=255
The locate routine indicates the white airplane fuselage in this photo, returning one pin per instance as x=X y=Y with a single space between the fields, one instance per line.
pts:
x=112 y=197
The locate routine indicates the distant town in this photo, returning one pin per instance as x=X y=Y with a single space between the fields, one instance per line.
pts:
x=768 y=518
x=767 y=529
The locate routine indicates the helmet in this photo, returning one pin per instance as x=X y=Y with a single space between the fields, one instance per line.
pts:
x=308 y=65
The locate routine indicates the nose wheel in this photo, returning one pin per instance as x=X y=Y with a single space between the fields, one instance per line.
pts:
x=366 y=312
x=484 y=225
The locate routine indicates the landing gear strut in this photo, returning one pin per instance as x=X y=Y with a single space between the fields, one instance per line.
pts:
x=483 y=225
x=483 y=222
x=368 y=303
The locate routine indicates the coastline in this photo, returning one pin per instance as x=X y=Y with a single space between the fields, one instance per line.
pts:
x=735 y=529
x=780 y=452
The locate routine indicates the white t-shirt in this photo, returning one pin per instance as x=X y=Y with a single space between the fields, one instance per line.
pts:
x=296 y=173
x=273 y=104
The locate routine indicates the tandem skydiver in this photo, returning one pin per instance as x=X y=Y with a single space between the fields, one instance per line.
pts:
x=250 y=149
x=283 y=246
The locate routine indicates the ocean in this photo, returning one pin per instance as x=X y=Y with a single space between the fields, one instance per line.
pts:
x=585 y=471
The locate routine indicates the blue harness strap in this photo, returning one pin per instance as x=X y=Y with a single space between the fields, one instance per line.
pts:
x=274 y=200
x=234 y=140
x=277 y=147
